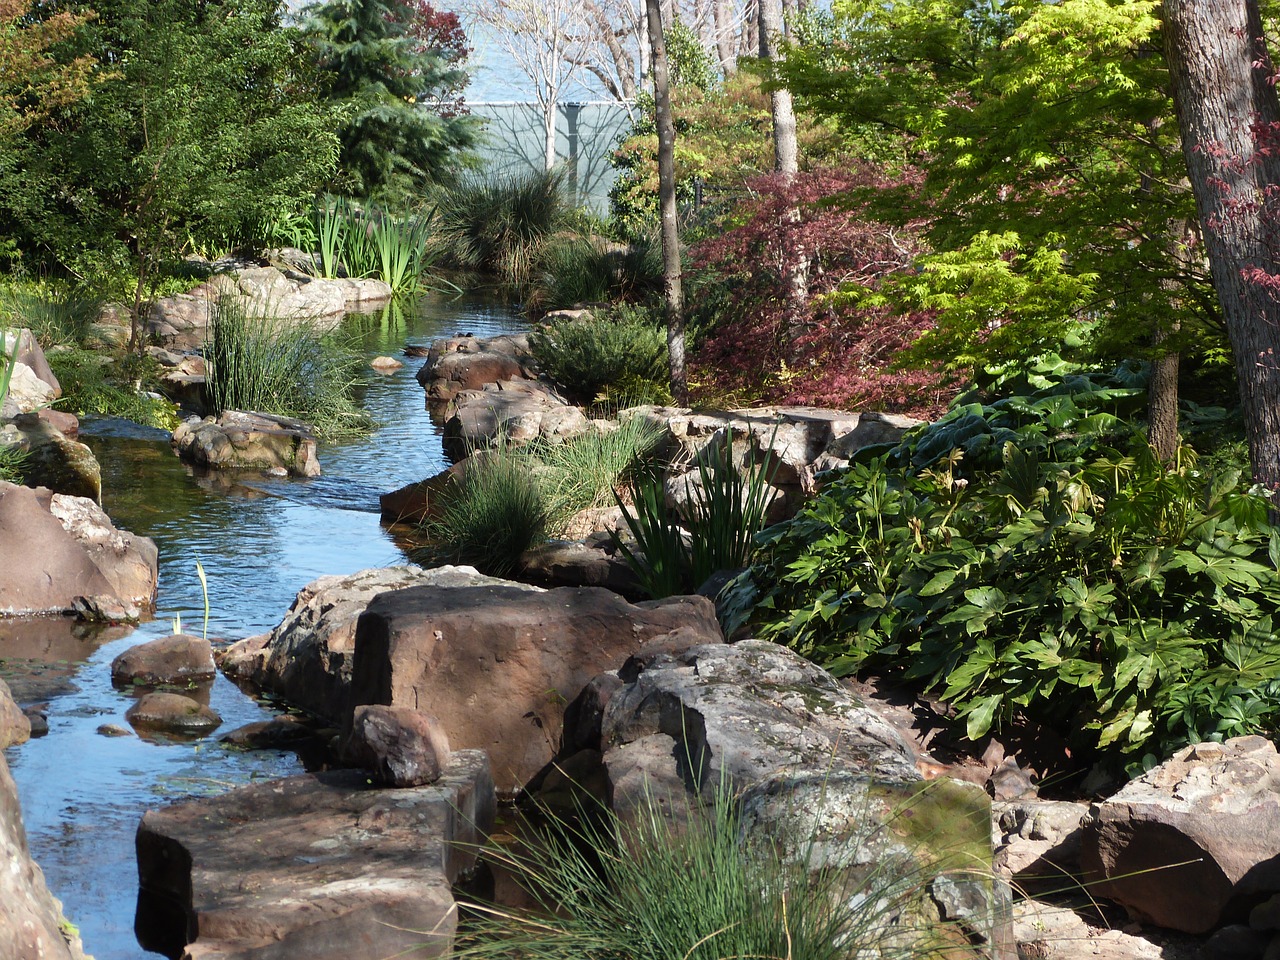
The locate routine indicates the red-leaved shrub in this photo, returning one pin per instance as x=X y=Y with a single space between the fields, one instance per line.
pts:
x=832 y=351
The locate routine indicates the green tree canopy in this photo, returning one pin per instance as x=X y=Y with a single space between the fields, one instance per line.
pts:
x=382 y=78
x=1048 y=125
x=198 y=129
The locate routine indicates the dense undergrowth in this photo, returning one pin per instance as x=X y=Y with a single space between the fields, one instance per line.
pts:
x=1030 y=560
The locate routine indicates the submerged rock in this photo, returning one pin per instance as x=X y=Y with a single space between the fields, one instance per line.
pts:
x=317 y=866
x=178 y=659
x=252 y=441
x=173 y=713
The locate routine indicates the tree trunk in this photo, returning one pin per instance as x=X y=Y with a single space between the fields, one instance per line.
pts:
x=1211 y=47
x=1162 y=399
x=549 y=135
x=786 y=161
x=671 y=274
x=722 y=10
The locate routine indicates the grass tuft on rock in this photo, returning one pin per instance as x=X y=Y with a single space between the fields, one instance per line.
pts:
x=290 y=368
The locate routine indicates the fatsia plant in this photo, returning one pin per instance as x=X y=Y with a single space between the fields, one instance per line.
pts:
x=1086 y=587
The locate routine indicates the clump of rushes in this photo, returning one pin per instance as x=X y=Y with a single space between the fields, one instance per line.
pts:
x=54 y=313
x=291 y=368
x=499 y=225
x=513 y=498
x=645 y=890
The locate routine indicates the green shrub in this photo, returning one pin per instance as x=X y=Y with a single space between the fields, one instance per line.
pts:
x=1076 y=584
x=288 y=368
x=622 y=349
x=54 y=313
x=499 y=224
x=645 y=889
x=95 y=384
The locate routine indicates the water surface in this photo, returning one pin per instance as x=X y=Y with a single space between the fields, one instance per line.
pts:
x=259 y=541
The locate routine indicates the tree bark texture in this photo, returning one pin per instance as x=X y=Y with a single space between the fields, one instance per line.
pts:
x=671 y=271
x=1212 y=47
x=785 y=155
x=722 y=10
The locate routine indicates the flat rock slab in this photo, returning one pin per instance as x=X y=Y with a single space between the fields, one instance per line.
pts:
x=320 y=866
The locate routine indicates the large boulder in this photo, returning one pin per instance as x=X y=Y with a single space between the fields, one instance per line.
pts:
x=248 y=441
x=811 y=766
x=497 y=664
x=318 y=866
x=1192 y=842
x=307 y=658
x=514 y=411
x=31 y=920
x=182 y=320
x=65 y=547
x=53 y=459
x=796 y=442
x=32 y=384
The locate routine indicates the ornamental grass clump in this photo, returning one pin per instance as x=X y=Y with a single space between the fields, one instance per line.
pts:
x=55 y=313
x=499 y=225
x=647 y=889
x=289 y=368
x=513 y=498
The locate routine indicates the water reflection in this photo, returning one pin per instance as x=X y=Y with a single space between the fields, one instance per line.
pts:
x=259 y=540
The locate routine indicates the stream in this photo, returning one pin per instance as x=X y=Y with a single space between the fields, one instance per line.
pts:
x=259 y=541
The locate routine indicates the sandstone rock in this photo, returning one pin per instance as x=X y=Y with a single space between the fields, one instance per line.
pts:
x=31 y=356
x=31 y=920
x=829 y=781
x=278 y=733
x=403 y=748
x=27 y=392
x=1046 y=932
x=497 y=664
x=104 y=609
x=316 y=866
x=15 y=728
x=178 y=659
x=385 y=364
x=182 y=321
x=113 y=730
x=172 y=713
x=1039 y=840
x=80 y=554
x=54 y=461
x=447 y=375
x=307 y=659
x=253 y=441
x=415 y=502
x=591 y=563
x=1185 y=843
x=688 y=720
x=67 y=424
x=517 y=411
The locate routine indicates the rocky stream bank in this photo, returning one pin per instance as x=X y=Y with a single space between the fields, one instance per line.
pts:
x=446 y=694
